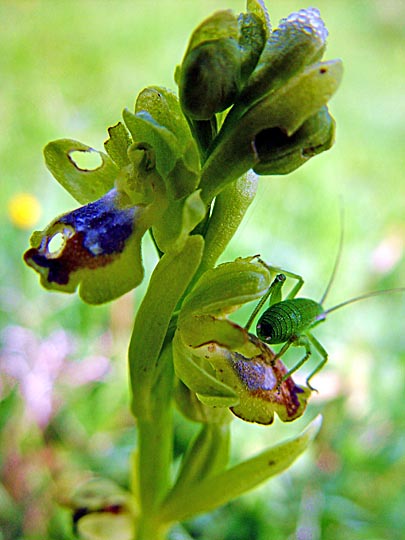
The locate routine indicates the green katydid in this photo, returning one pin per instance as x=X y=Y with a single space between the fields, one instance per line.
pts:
x=290 y=321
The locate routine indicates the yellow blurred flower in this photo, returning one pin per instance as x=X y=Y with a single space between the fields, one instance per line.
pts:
x=24 y=210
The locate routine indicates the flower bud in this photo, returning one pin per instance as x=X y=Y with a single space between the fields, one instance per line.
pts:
x=298 y=41
x=281 y=154
x=209 y=77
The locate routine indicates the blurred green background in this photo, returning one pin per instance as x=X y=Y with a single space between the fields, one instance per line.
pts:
x=67 y=69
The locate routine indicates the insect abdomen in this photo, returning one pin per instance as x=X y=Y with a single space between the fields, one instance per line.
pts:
x=286 y=319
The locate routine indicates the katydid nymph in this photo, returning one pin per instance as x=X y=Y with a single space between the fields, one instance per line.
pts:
x=290 y=321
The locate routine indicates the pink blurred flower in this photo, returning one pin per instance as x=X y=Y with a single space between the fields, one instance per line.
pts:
x=40 y=365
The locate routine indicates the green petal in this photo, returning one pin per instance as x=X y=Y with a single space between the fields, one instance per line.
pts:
x=83 y=184
x=117 y=144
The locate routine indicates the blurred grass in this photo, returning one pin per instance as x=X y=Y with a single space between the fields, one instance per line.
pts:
x=67 y=69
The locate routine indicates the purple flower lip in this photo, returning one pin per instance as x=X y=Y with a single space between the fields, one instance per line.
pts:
x=91 y=237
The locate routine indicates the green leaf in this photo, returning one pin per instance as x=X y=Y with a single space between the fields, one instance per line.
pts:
x=218 y=489
x=206 y=455
x=85 y=185
x=167 y=284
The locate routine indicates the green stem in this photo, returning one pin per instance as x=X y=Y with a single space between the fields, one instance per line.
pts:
x=155 y=452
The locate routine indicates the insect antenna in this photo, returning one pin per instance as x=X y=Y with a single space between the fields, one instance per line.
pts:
x=362 y=297
x=337 y=259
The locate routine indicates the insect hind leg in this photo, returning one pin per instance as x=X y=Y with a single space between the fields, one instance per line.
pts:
x=324 y=358
x=300 y=341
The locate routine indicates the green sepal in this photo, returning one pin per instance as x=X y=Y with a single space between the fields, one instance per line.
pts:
x=197 y=375
x=223 y=289
x=218 y=489
x=158 y=123
x=117 y=144
x=168 y=283
x=106 y=526
x=96 y=247
x=84 y=185
x=220 y=25
x=297 y=100
x=253 y=35
x=258 y=8
x=163 y=105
